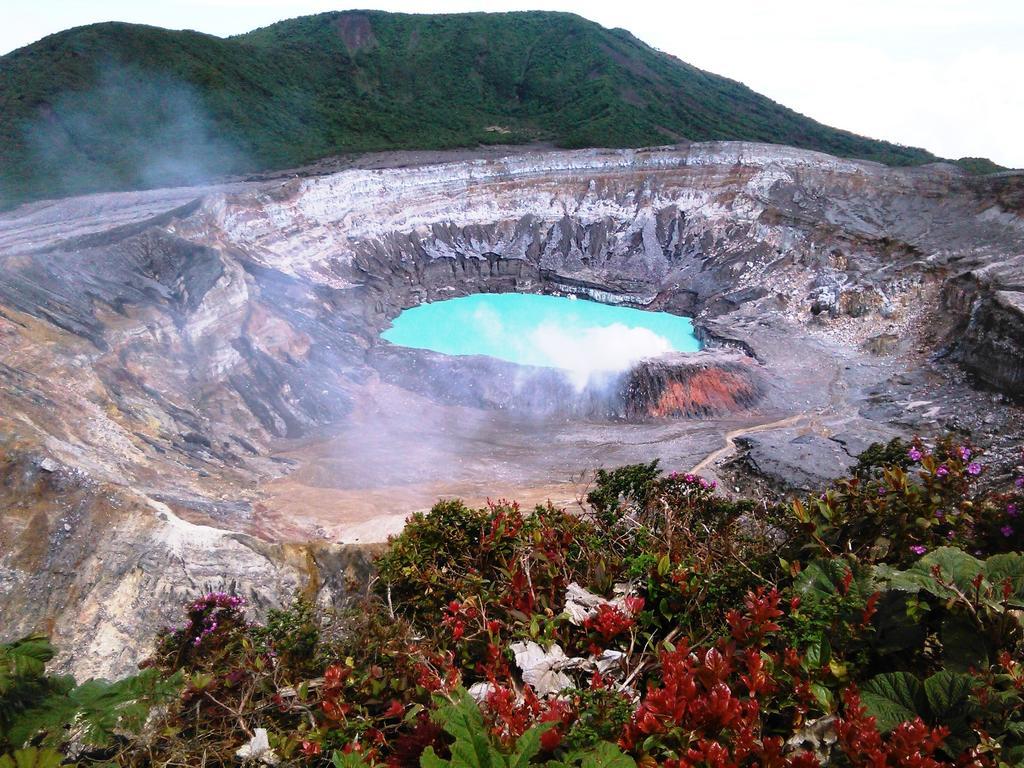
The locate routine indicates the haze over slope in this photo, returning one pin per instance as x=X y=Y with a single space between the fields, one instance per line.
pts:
x=113 y=106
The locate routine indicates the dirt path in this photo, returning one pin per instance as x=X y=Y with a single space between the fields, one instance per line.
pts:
x=729 y=448
x=814 y=419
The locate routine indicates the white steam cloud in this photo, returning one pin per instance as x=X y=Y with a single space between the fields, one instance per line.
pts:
x=584 y=352
x=581 y=351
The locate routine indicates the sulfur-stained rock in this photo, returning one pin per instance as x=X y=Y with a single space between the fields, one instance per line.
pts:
x=702 y=385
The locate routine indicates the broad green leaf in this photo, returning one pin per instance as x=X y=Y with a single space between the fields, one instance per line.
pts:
x=607 y=755
x=999 y=568
x=955 y=565
x=893 y=698
x=528 y=745
x=463 y=721
x=664 y=565
x=31 y=757
x=820 y=578
x=428 y=759
x=948 y=695
x=1013 y=756
x=25 y=658
x=97 y=707
x=912 y=581
x=824 y=578
x=473 y=747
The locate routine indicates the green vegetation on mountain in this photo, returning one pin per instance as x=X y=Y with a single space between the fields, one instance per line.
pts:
x=116 y=106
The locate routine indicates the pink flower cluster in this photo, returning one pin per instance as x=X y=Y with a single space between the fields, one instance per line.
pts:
x=699 y=481
x=205 y=612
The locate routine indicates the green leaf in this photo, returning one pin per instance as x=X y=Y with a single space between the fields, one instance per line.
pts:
x=948 y=695
x=822 y=579
x=31 y=757
x=664 y=565
x=97 y=707
x=355 y=760
x=999 y=568
x=472 y=748
x=911 y=581
x=818 y=653
x=604 y=754
x=825 y=698
x=893 y=698
x=528 y=745
x=955 y=565
x=428 y=759
x=24 y=658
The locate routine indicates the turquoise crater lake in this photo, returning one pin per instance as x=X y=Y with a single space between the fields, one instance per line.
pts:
x=577 y=335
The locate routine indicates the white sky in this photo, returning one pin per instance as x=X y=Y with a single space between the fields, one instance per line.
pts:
x=947 y=75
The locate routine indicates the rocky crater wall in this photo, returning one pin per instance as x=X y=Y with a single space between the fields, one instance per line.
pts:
x=160 y=347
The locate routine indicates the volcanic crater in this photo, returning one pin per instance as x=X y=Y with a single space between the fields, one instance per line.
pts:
x=196 y=396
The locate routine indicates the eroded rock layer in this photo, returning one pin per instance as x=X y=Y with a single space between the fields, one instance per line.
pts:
x=988 y=340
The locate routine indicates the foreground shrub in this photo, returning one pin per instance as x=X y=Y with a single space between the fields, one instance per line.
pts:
x=877 y=623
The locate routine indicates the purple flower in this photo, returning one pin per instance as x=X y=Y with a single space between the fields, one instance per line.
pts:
x=942 y=471
x=1011 y=510
x=951 y=535
x=974 y=468
x=1006 y=530
x=919 y=549
x=939 y=514
x=1019 y=482
x=882 y=491
x=914 y=454
x=965 y=452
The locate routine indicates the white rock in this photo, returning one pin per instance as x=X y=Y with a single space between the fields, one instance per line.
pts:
x=581 y=603
x=543 y=670
x=258 y=749
x=480 y=691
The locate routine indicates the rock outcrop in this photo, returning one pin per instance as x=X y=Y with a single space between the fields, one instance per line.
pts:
x=692 y=386
x=989 y=339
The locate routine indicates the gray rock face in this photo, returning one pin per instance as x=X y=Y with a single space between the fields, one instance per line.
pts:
x=804 y=462
x=989 y=340
x=179 y=353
